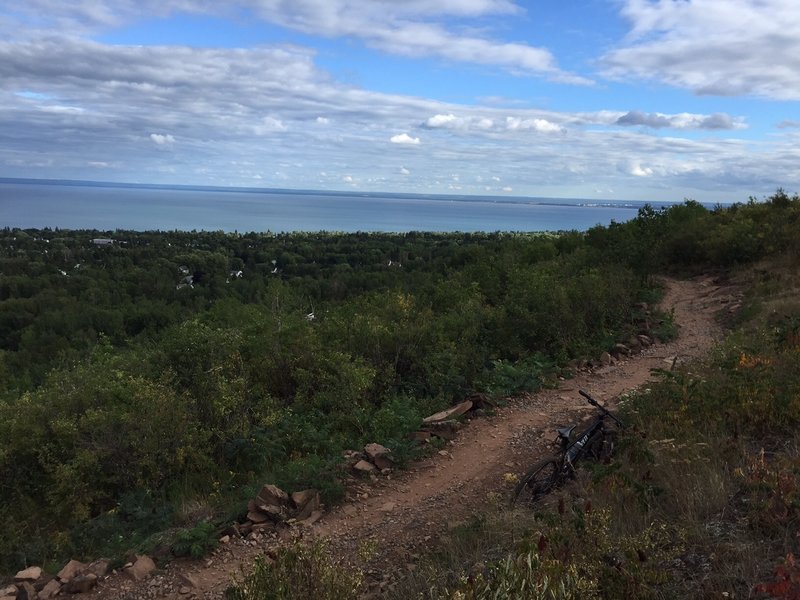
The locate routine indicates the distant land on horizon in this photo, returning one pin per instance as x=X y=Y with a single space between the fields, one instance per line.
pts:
x=541 y=200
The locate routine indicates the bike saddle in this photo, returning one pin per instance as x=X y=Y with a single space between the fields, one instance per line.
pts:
x=565 y=432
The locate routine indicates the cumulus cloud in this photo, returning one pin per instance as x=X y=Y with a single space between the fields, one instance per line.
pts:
x=726 y=48
x=404 y=138
x=485 y=123
x=404 y=171
x=162 y=139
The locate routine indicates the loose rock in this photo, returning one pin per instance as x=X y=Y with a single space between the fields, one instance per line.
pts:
x=29 y=574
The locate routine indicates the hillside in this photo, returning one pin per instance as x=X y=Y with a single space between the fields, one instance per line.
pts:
x=156 y=386
x=405 y=515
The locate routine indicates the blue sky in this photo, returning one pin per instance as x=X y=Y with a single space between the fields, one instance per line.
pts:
x=629 y=99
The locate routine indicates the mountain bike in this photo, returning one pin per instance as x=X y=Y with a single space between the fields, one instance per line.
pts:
x=596 y=442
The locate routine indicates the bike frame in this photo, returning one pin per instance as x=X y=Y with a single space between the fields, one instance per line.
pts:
x=575 y=450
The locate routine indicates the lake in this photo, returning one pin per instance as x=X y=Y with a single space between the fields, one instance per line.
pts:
x=88 y=205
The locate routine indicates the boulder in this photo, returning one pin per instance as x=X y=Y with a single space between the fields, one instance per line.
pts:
x=620 y=350
x=256 y=516
x=363 y=466
x=141 y=568
x=306 y=502
x=374 y=451
x=82 y=584
x=605 y=359
x=70 y=570
x=99 y=567
x=10 y=590
x=420 y=436
x=53 y=588
x=272 y=495
x=380 y=456
x=29 y=574
x=453 y=411
x=26 y=591
x=644 y=340
x=634 y=344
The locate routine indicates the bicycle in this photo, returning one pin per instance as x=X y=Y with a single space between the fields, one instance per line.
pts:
x=595 y=442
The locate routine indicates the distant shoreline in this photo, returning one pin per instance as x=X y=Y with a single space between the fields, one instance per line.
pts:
x=535 y=200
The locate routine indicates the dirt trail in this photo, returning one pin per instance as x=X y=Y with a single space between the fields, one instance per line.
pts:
x=397 y=515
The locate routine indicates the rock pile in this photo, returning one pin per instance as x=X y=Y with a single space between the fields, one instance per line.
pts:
x=643 y=339
x=75 y=578
x=374 y=459
x=272 y=508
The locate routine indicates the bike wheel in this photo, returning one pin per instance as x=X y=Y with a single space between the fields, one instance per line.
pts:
x=537 y=482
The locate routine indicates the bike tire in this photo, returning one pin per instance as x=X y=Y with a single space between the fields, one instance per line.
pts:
x=537 y=482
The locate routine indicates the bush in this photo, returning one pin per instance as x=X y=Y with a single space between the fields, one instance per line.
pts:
x=197 y=541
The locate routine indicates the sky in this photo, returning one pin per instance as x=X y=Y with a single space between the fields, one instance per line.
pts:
x=655 y=100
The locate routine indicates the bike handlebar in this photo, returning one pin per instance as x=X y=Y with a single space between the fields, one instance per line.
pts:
x=597 y=405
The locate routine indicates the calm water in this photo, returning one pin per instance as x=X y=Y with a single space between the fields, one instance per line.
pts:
x=108 y=208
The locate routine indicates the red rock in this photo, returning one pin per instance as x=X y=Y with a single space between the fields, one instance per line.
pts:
x=70 y=570
x=454 y=411
x=52 y=588
x=29 y=574
x=256 y=516
x=364 y=466
x=306 y=501
x=272 y=495
x=140 y=569
x=98 y=567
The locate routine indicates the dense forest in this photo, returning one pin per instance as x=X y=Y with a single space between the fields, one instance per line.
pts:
x=147 y=372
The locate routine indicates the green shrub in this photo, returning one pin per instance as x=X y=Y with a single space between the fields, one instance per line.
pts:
x=197 y=541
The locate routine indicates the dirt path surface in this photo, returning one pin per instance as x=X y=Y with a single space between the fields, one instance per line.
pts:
x=399 y=515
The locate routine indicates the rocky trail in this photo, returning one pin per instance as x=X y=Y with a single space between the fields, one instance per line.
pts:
x=401 y=515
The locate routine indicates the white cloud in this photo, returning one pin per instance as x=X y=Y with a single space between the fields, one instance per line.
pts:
x=485 y=123
x=540 y=125
x=635 y=168
x=445 y=121
x=162 y=139
x=717 y=47
x=323 y=120
x=404 y=171
x=404 y=138
x=409 y=27
x=508 y=188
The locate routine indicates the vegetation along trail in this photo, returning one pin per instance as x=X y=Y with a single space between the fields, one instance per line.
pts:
x=396 y=518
